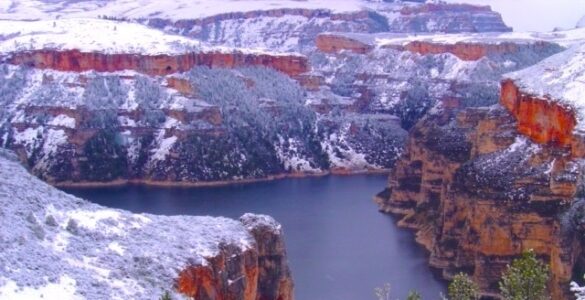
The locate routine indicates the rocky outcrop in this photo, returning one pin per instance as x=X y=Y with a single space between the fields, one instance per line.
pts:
x=470 y=51
x=258 y=274
x=154 y=65
x=55 y=243
x=478 y=193
x=543 y=120
x=331 y=43
x=443 y=17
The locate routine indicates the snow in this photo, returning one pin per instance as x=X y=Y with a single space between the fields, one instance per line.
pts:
x=578 y=290
x=54 y=139
x=91 y=35
x=565 y=38
x=108 y=254
x=560 y=77
x=63 y=121
x=126 y=121
x=64 y=289
x=167 y=9
x=341 y=154
x=165 y=146
x=291 y=156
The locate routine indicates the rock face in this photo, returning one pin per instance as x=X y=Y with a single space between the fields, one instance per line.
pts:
x=442 y=17
x=478 y=193
x=56 y=244
x=155 y=65
x=543 y=120
x=472 y=51
x=297 y=29
x=331 y=43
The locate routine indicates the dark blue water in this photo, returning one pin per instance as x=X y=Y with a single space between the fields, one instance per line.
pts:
x=340 y=247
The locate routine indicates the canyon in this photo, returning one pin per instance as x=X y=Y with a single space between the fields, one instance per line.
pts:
x=481 y=185
x=481 y=168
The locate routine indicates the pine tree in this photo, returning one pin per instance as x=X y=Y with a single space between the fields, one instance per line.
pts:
x=463 y=288
x=413 y=295
x=525 y=279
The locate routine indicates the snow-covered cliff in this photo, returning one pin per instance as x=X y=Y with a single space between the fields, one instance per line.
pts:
x=56 y=246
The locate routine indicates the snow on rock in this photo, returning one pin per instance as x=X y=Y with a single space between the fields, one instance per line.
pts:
x=56 y=246
x=560 y=78
x=63 y=121
x=91 y=35
x=167 y=9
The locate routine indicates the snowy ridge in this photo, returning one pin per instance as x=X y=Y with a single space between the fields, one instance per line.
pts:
x=103 y=36
x=167 y=9
x=560 y=77
x=565 y=38
x=91 y=35
x=62 y=247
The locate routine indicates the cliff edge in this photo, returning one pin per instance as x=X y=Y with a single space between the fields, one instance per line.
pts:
x=57 y=246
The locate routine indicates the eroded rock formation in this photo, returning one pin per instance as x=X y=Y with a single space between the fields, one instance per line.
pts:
x=471 y=51
x=331 y=43
x=478 y=193
x=154 y=65
x=543 y=120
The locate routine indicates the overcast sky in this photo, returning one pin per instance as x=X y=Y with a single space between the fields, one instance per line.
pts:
x=536 y=15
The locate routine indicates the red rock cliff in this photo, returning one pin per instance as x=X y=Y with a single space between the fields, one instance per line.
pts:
x=466 y=51
x=77 y=61
x=332 y=43
x=543 y=120
x=261 y=273
x=478 y=193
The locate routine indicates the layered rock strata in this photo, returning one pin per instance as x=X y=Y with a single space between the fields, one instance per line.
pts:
x=153 y=65
x=478 y=193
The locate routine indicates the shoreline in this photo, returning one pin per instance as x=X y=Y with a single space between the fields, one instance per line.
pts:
x=194 y=184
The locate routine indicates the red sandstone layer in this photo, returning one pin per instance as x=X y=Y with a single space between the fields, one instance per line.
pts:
x=463 y=50
x=331 y=43
x=543 y=120
x=154 y=65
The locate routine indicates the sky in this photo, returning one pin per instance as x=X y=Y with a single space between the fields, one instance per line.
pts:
x=536 y=15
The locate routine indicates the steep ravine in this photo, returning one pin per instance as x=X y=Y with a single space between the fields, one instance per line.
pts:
x=482 y=185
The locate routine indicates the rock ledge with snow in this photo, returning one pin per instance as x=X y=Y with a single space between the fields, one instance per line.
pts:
x=56 y=246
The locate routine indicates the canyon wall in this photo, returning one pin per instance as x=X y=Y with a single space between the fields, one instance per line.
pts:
x=543 y=120
x=482 y=185
x=154 y=65
x=261 y=273
x=466 y=51
x=478 y=193
x=473 y=50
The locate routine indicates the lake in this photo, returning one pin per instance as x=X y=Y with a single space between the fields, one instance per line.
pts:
x=339 y=246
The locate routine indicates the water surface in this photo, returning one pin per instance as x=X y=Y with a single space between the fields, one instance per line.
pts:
x=340 y=247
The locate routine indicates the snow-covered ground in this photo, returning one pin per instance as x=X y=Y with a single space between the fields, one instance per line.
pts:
x=56 y=246
x=168 y=9
x=104 y=36
x=560 y=77
x=91 y=35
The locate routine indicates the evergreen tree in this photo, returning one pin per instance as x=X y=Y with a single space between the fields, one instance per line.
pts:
x=525 y=279
x=463 y=288
x=413 y=295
